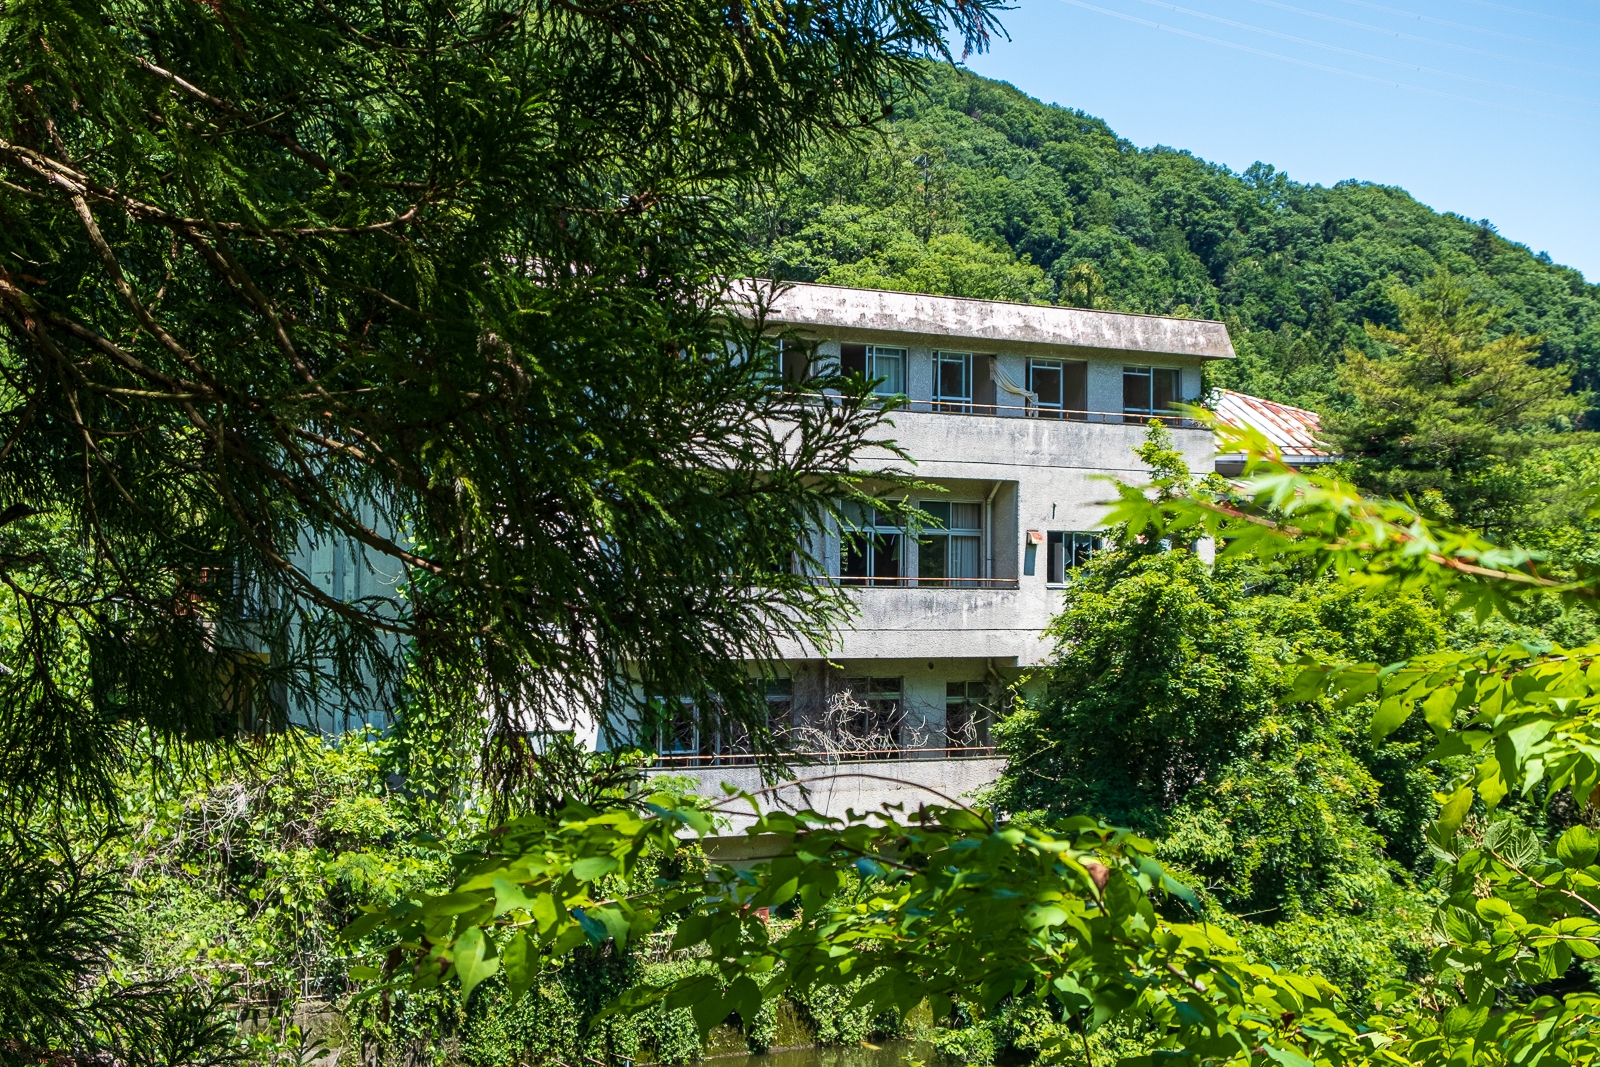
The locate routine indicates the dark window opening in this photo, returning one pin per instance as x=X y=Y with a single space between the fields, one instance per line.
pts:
x=1062 y=387
x=1066 y=551
x=952 y=554
x=873 y=714
x=968 y=712
x=952 y=382
x=870 y=553
x=1151 y=390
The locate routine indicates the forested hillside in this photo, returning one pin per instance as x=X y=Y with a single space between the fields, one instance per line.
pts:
x=978 y=190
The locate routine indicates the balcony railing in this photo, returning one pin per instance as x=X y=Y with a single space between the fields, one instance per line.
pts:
x=1034 y=411
x=668 y=760
x=923 y=583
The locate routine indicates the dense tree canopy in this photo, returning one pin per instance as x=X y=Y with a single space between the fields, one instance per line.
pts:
x=1295 y=269
x=1449 y=414
x=439 y=286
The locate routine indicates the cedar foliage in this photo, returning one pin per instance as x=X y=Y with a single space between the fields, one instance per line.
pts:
x=438 y=286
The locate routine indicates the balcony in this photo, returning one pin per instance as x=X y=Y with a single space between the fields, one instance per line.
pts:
x=856 y=582
x=1033 y=411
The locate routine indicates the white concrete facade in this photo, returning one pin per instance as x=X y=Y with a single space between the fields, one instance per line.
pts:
x=1035 y=476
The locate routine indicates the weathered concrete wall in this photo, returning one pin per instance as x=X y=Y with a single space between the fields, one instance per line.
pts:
x=952 y=322
x=1048 y=475
x=865 y=786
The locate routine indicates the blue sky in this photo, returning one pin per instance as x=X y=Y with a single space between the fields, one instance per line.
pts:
x=1487 y=109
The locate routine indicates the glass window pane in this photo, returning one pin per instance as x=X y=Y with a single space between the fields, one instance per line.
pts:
x=1075 y=386
x=886 y=556
x=1044 y=378
x=966 y=516
x=939 y=509
x=964 y=557
x=1165 y=388
x=853 y=359
x=931 y=555
x=953 y=381
x=1136 y=389
x=1056 y=549
x=890 y=365
x=853 y=556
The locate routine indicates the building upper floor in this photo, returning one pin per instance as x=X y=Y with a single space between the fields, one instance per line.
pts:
x=1049 y=404
x=949 y=355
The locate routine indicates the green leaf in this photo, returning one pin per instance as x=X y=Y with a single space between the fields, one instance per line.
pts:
x=520 y=965
x=1454 y=810
x=1577 y=847
x=472 y=960
x=1462 y=1021
x=362 y=926
x=1440 y=708
x=592 y=867
x=1391 y=714
x=592 y=927
x=1288 y=1057
x=709 y=1010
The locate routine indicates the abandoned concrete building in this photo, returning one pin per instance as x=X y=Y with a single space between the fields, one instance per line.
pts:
x=1020 y=413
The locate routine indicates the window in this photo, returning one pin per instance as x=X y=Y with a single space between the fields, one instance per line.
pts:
x=794 y=362
x=967 y=714
x=951 y=555
x=1062 y=387
x=871 y=717
x=870 y=549
x=780 y=703
x=677 y=728
x=876 y=362
x=1066 y=551
x=952 y=381
x=1151 y=390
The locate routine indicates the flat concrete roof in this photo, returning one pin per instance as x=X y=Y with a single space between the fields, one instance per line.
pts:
x=842 y=312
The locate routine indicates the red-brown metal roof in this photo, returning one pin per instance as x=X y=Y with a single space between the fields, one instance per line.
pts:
x=1295 y=431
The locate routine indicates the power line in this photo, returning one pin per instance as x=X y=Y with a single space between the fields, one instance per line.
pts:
x=1365 y=55
x=1429 y=40
x=1535 y=14
x=1471 y=29
x=1324 y=67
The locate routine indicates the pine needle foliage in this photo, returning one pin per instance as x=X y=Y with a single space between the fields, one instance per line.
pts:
x=1453 y=406
x=443 y=285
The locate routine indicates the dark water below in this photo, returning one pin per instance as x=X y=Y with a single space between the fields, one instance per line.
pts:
x=885 y=1054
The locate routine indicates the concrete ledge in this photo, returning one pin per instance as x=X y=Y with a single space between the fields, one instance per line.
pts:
x=864 y=786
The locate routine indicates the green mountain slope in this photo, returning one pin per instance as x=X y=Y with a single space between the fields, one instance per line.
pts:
x=978 y=190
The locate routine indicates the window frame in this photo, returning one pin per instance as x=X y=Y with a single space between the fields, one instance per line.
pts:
x=873 y=534
x=1078 y=547
x=960 y=403
x=1149 y=373
x=945 y=535
x=974 y=711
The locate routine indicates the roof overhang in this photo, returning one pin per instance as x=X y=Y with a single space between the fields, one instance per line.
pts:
x=846 y=314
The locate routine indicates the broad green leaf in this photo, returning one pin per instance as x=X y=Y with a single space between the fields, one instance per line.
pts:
x=1454 y=810
x=472 y=960
x=1577 y=847
x=592 y=867
x=520 y=965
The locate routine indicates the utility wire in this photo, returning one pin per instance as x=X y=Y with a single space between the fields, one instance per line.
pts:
x=1471 y=29
x=1429 y=40
x=1366 y=55
x=1535 y=14
x=1324 y=67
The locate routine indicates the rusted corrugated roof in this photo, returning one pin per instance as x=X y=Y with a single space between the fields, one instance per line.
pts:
x=1295 y=431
